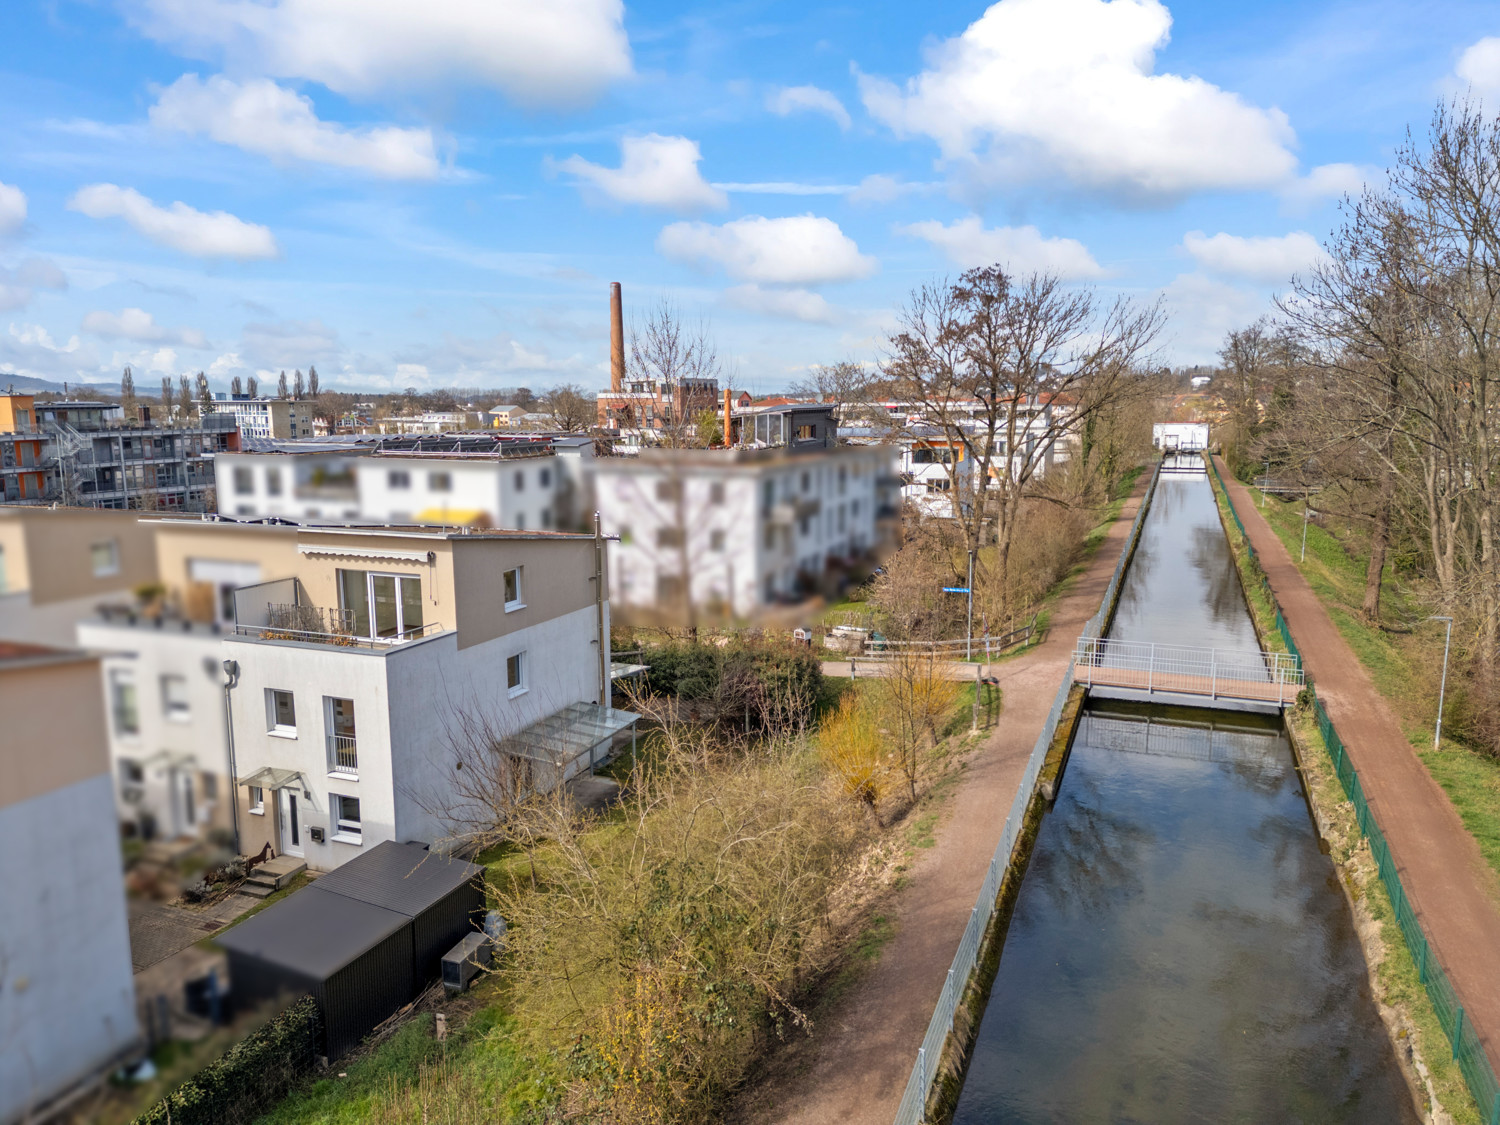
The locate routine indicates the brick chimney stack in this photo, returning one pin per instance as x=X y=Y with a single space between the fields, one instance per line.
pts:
x=616 y=339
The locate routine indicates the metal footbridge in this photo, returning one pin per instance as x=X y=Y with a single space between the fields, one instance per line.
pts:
x=1246 y=677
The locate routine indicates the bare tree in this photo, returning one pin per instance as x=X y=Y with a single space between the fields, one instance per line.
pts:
x=312 y=381
x=570 y=407
x=127 y=392
x=297 y=388
x=235 y=387
x=682 y=359
x=252 y=387
x=282 y=391
x=1006 y=368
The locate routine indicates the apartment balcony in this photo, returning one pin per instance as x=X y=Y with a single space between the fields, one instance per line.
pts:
x=310 y=624
x=343 y=755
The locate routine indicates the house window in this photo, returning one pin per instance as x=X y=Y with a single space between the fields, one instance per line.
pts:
x=669 y=537
x=521 y=521
x=381 y=605
x=806 y=433
x=210 y=786
x=440 y=482
x=806 y=481
x=273 y=481
x=669 y=490
x=513 y=590
x=715 y=540
x=281 y=712
x=669 y=589
x=257 y=800
x=343 y=751
x=131 y=772
x=716 y=492
x=345 y=818
x=768 y=539
x=520 y=480
x=244 y=483
x=398 y=478
x=174 y=698
x=123 y=704
x=767 y=496
x=546 y=520
x=515 y=674
x=546 y=478
x=106 y=558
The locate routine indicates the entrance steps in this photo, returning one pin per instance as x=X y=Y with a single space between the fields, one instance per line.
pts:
x=271 y=876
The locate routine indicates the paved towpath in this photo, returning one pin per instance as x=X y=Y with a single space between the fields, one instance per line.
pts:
x=1456 y=894
x=855 y=1065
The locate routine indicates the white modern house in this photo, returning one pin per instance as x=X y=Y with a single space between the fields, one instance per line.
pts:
x=930 y=463
x=67 y=996
x=356 y=676
x=739 y=531
x=523 y=485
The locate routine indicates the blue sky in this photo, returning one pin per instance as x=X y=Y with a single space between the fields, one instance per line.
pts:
x=438 y=192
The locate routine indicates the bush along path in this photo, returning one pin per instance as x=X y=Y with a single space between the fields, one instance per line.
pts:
x=855 y=1065
x=1454 y=893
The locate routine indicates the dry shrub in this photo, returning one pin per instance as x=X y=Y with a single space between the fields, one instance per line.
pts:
x=669 y=946
x=1048 y=541
x=849 y=741
x=914 y=696
x=909 y=594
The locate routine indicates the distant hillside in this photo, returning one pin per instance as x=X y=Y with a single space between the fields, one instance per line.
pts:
x=30 y=383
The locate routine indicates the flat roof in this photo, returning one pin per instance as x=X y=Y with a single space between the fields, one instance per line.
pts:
x=406 y=878
x=314 y=932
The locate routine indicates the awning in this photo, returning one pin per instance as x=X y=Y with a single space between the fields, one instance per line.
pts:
x=171 y=759
x=621 y=671
x=569 y=733
x=272 y=778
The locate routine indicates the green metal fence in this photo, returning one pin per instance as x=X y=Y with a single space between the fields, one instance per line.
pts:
x=1467 y=1051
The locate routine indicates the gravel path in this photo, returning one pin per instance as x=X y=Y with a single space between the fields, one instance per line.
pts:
x=855 y=1065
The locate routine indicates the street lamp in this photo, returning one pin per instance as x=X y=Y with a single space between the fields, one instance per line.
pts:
x=1437 y=735
x=1306 y=512
x=231 y=678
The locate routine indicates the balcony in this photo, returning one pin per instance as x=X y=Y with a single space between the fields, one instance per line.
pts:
x=343 y=756
x=311 y=624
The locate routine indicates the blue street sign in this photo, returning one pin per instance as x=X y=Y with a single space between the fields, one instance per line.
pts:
x=955 y=589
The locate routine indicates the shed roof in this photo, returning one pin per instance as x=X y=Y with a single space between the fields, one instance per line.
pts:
x=406 y=878
x=314 y=932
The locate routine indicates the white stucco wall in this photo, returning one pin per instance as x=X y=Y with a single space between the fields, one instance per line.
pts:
x=68 y=1005
x=196 y=740
x=518 y=494
x=53 y=624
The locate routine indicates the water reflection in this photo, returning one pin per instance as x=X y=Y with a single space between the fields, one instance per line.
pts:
x=1178 y=952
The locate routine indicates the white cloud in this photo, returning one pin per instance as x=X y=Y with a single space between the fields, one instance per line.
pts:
x=261 y=117
x=1019 y=249
x=289 y=344
x=1329 y=181
x=786 y=187
x=807 y=99
x=560 y=52
x=1201 y=310
x=803 y=250
x=880 y=188
x=29 y=349
x=12 y=209
x=141 y=326
x=18 y=286
x=216 y=234
x=654 y=171
x=793 y=304
x=1479 y=67
x=1065 y=87
x=1271 y=259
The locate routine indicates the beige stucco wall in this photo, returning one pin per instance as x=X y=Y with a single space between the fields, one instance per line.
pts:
x=319 y=573
x=556 y=579
x=273 y=548
x=52 y=714
x=48 y=551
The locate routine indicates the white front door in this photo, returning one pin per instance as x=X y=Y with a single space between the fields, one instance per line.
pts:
x=180 y=789
x=290 y=811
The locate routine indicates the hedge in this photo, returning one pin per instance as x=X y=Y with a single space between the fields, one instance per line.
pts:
x=249 y=1078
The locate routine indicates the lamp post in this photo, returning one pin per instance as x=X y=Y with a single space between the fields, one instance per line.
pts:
x=1437 y=735
x=1306 y=512
x=1265 y=481
x=232 y=677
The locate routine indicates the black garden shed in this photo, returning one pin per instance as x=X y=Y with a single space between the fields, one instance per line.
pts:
x=363 y=940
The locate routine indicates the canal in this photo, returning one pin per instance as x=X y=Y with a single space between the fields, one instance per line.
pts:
x=1180 y=950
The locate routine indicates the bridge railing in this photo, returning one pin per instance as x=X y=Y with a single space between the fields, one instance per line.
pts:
x=1468 y=1051
x=1179 y=668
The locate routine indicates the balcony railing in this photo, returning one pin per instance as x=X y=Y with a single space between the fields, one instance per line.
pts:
x=311 y=624
x=342 y=755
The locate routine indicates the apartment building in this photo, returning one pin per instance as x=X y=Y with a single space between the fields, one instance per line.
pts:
x=357 y=674
x=930 y=463
x=28 y=468
x=67 y=1009
x=266 y=417
x=58 y=564
x=538 y=484
x=740 y=531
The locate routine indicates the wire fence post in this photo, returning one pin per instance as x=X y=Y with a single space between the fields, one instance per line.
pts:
x=1458 y=1031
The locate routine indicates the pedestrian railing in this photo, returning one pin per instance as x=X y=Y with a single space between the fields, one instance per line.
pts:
x=1267 y=677
x=913 y=1107
x=1468 y=1052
